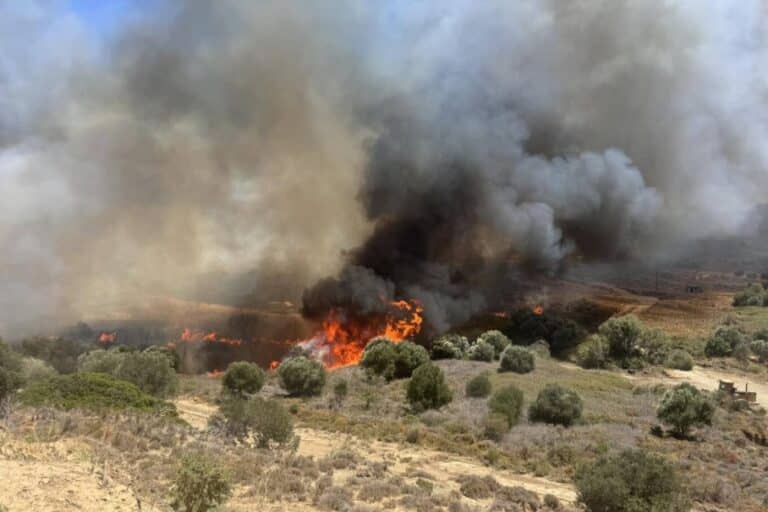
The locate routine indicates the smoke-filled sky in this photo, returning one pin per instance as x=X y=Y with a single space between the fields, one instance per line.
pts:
x=218 y=149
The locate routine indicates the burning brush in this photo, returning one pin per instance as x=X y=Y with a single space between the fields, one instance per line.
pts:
x=344 y=335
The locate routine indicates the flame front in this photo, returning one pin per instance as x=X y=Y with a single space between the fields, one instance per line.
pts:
x=343 y=338
x=538 y=310
x=106 y=338
x=195 y=336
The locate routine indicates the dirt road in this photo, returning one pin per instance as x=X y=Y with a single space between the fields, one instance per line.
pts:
x=443 y=468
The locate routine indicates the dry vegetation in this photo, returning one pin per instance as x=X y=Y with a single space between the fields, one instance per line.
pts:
x=359 y=446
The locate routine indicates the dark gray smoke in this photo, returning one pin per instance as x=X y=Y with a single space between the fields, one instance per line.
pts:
x=205 y=149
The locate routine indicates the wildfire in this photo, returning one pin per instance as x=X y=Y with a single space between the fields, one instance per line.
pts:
x=195 y=336
x=343 y=338
x=273 y=365
x=215 y=373
x=538 y=310
x=107 y=337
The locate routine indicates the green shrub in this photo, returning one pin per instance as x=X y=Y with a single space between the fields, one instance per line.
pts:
x=7 y=384
x=557 y=405
x=680 y=359
x=173 y=357
x=481 y=351
x=199 y=485
x=243 y=377
x=266 y=420
x=760 y=348
x=631 y=481
x=540 y=348
x=11 y=370
x=301 y=376
x=653 y=346
x=753 y=295
x=623 y=335
x=594 y=353
x=61 y=353
x=478 y=386
x=517 y=359
x=340 y=391
x=507 y=402
x=561 y=333
x=393 y=360
x=496 y=339
x=95 y=391
x=427 y=388
x=9 y=358
x=450 y=346
x=723 y=341
x=36 y=369
x=150 y=371
x=683 y=407
x=495 y=425
x=409 y=357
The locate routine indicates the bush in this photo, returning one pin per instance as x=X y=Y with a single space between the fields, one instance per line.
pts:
x=243 y=377
x=10 y=370
x=517 y=359
x=7 y=384
x=427 y=388
x=653 y=346
x=760 y=348
x=683 y=407
x=393 y=360
x=594 y=353
x=540 y=348
x=481 y=351
x=507 y=402
x=723 y=341
x=36 y=369
x=495 y=426
x=478 y=386
x=450 y=346
x=61 y=353
x=623 y=335
x=496 y=339
x=94 y=391
x=300 y=376
x=173 y=357
x=340 y=392
x=150 y=371
x=199 y=485
x=631 y=481
x=753 y=295
x=561 y=333
x=267 y=420
x=557 y=405
x=680 y=359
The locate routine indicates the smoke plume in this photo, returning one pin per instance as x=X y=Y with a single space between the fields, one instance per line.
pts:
x=222 y=150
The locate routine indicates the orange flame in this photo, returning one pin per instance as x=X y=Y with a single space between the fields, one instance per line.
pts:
x=342 y=339
x=108 y=337
x=273 y=365
x=215 y=373
x=538 y=309
x=194 y=336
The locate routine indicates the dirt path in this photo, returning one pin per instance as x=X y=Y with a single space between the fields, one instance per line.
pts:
x=708 y=379
x=442 y=467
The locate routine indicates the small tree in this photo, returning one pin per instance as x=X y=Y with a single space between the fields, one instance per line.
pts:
x=496 y=339
x=753 y=295
x=340 y=391
x=199 y=485
x=594 y=353
x=481 y=351
x=623 y=335
x=271 y=422
x=723 y=341
x=557 y=405
x=243 y=377
x=760 y=349
x=631 y=481
x=680 y=359
x=301 y=376
x=450 y=346
x=173 y=357
x=393 y=360
x=151 y=371
x=427 y=388
x=507 y=402
x=683 y=407
x=478 y=386
x=517 y=359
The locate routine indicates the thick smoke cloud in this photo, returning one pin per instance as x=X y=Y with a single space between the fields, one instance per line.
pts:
x=207 y=147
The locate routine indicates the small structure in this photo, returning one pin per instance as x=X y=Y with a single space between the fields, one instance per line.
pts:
x=729 y=388
x=694 y=288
